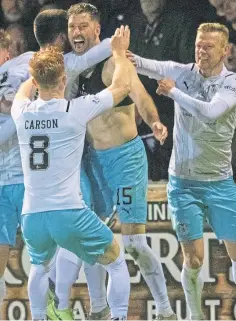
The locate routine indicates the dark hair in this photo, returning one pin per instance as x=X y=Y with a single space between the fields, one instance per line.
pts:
x=84 y=8
x=48 y=25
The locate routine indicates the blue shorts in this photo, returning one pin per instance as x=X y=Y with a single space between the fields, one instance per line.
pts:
x=125 y=171
x=79 y=231
x=191 y=202
x=85 y=187
x=11 y=199
x=102 y=195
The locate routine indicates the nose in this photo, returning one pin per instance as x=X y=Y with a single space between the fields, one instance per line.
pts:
x=76 y=32
x=202 y=50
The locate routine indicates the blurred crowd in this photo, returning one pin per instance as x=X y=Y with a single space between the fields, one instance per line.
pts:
x=160 y=29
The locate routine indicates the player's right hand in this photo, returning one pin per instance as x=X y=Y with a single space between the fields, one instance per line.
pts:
x=120 y=41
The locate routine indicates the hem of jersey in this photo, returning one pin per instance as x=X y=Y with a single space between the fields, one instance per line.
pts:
x=49 y=209
x=197 y=178
x=190 y=238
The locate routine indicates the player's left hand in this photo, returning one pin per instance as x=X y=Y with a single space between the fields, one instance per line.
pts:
x=160 y=131
x=120 y=41
x=164 y=86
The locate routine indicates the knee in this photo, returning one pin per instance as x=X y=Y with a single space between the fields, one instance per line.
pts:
x=135 y=247
x=111 y=254
x=133 y=250
x=193 y=261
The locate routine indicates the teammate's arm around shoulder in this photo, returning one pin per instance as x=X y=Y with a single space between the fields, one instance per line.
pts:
x=75 y=64
x=155 y=69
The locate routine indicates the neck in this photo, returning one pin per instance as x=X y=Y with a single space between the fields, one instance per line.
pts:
x=212 y=72
x=47 y=94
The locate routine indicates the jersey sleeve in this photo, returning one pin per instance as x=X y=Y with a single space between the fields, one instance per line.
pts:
x=17 y=75
x=158 y=69
x=88 y=107
x=18 y=107
x=75 y=64
x=223 y=101
x=7 y=130
x=23 y=58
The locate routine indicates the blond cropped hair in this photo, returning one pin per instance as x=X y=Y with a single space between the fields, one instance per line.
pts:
x=47 y=67
x=215 y=27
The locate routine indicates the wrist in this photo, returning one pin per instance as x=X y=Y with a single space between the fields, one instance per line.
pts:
x=172 y=91
x=118 y=55
x=153 y=123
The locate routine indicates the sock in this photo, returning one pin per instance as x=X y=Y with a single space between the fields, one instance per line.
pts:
x=37 y=291
x=118 y=289
x=234 y=270
x=96 y=280
x=193 y=284
x=68 y=266
x=151 y=270
x=52 y=274
x=3 y=290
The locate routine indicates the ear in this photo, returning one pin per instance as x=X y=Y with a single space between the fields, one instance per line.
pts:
x=7 y=57
x=227 y=50
x=60 y=41
x=98 y=30
x=64 y=80
x=34 y=82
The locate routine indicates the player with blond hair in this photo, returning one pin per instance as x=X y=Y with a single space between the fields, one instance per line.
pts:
x=51 y=132
x=200 y=183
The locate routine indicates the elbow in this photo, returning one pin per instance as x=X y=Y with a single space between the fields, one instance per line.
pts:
x=127 y=88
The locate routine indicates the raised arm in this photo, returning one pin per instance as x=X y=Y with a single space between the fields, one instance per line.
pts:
x=124 y=70
x=223 y=100
x=92 y=106
x=25 y=90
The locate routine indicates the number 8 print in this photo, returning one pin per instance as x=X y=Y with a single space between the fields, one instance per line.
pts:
x=39 y=150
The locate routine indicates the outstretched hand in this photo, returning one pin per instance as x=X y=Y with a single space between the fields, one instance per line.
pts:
x=120 y=41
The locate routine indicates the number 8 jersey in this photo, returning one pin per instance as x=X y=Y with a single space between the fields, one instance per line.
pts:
x=51 y=138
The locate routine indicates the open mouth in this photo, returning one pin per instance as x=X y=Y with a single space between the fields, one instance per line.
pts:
x=203 y=59
x=79 y=44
